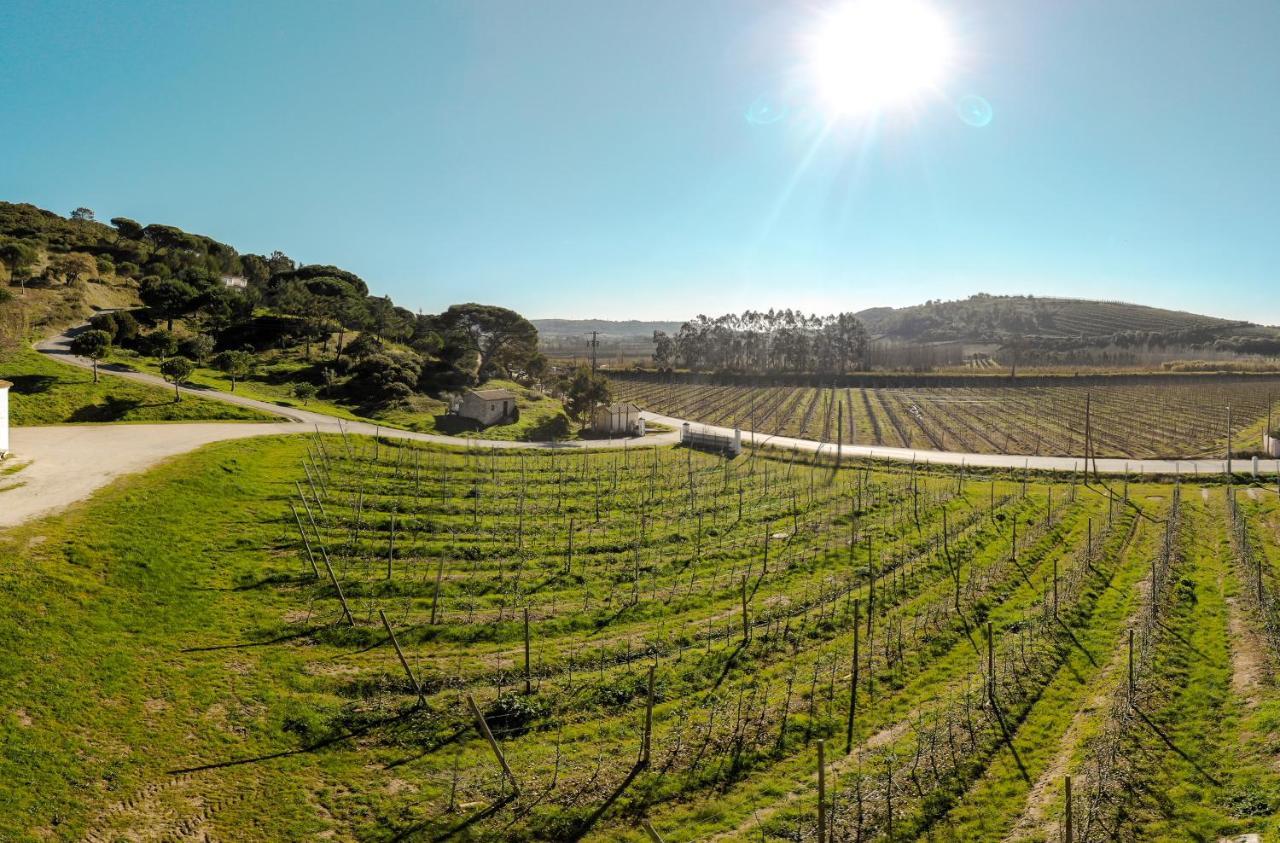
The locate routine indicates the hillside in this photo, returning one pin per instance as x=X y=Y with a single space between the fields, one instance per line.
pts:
x=986 y=318
x=264 y=325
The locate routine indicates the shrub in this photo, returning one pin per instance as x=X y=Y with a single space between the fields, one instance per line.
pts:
x=513 y=714
x=197 y=347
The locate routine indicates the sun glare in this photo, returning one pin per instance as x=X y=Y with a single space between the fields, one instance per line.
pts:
x=870 y=55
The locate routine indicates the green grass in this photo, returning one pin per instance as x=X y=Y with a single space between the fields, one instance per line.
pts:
x=274 y=380
x=46 y=391
x=166 y=656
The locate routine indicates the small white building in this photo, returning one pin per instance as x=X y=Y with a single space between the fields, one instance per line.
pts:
x=235 y=282
x=1271 y=445
x=621 y=418
x=487 y=406
x=4 y=417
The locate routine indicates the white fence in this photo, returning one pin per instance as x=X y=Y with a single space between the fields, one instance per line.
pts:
x=707 y=440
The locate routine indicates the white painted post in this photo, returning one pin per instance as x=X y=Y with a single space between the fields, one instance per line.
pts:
x=4 y=418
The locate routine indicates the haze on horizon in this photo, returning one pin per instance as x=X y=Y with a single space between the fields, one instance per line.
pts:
x=624 y=161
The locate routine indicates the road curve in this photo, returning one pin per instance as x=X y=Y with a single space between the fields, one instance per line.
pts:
x=63 y=464
x=69 y=462
x=954 y=458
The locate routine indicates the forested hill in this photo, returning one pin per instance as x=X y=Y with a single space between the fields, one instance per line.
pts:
x=235 y=301
x=986 y=318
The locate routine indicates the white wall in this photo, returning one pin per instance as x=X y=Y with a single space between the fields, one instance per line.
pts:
x=4 y=420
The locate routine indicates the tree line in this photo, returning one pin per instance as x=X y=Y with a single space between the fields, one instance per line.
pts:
x=772 y=341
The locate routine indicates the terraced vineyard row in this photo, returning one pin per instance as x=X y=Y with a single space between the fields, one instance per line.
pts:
x=1173 y=420
x=574 y=645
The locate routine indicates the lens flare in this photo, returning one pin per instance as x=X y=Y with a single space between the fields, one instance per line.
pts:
x=974 y=110
x=763 y=112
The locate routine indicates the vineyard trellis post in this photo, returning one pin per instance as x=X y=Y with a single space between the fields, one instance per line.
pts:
x=1068 y=832
x=1131 y=673
x=306 y=542
x=483 y=726
x=435 y=595
x=404 y=662
x=528 y=678
x=991 y=663
x=839 y=433
x=853 y=682
x=654 y=836
x=822 y=792
x=1228 y=440
x=646 y=743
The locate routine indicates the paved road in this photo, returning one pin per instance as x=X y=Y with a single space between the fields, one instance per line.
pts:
x=69 y=462
x=954 y=458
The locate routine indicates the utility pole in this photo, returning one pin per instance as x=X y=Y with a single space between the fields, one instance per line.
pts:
x=595 y=343
x=1228 y=440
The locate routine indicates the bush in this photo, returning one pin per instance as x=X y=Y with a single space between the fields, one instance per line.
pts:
x=550 y=429
x=198 y=347
x=105 y=322
x=158 y=344
x=304 y=392
x=513 y=714
x=126 y=327
x=364 y=345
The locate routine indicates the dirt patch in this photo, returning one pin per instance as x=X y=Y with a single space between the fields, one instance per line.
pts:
x=1248 y=655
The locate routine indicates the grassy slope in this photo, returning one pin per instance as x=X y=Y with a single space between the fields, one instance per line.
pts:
x=49 y=392
x=272 y=382
x=163 y=627
x=100 y=687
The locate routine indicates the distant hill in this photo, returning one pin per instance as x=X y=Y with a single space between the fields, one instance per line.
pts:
x=986 y=318
x=608 y=328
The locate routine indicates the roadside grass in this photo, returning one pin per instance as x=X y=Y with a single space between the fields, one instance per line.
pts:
x=135 y=641
x=274 y=380
x=46 y=391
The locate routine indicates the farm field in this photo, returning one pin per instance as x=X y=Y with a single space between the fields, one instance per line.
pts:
x=1142 y=421
x=201 y=651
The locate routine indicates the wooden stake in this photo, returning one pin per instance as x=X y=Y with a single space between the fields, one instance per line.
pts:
x=822 y=792
x=1131 y=676
x=646 y=744
x=1068 y=836
x=853 y=683
x=435 y=595
x=338 y=588
x=391 y=544
x=306 y=542
x=413 y=680
x=493 y=744
x=991 y=664
x=528 y=686
x=654 y=836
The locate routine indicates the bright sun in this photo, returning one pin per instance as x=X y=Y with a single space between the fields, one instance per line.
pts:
x=873 y=54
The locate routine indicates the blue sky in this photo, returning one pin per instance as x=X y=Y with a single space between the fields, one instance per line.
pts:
x=596 y=158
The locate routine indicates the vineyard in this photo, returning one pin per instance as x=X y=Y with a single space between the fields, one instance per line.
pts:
x=1173 y=420
x=661 y=644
